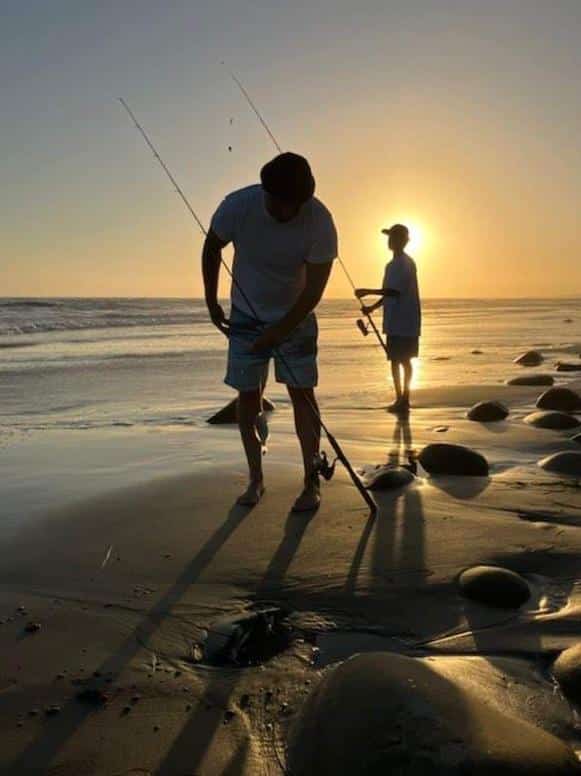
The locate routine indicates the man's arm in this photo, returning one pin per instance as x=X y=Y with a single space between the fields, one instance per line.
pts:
x=211 y=259
x=317 y=276
x=372 y=307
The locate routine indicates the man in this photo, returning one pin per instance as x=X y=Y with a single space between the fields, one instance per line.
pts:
x=402 y=317
x=284 y=245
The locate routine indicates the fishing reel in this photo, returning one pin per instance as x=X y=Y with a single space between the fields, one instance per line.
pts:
x=322 y=466
x=362 y=326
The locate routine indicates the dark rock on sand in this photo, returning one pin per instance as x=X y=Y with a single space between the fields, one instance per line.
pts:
x=554 y=420
x=442 y=458
x=561 y=399
x=563 y=366
x=487 y=412
x=381 y=713
x=566 y=462
x=229 y=413
x=389 y=478
x=494 y=586
x=567 y=671
x=531 y=380
x=530 y=358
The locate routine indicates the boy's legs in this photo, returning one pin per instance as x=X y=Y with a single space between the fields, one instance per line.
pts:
x=249 y=405
x=395 y=372
x=407 y=379
x=308 y=431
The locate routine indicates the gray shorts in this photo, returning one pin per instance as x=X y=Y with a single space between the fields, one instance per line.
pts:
x=295 y=359
x=402 y=348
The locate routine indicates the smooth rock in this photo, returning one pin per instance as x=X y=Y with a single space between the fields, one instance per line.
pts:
x=566 y=462
x=553 y=420
x=530 y=358
x=533 y=379
x=487 y=412
x=494 y=586
x=563 y=366
x=229 y=413
x=567 y=671
x=381 y=714
x=561 y=399
x=576 y=438
x=440 y=458
x=389 y=478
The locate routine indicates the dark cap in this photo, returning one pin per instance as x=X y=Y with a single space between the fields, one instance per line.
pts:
x=288 y=177
x=397 y=230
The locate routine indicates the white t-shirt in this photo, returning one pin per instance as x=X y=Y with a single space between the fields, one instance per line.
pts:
x=402 y=315
x=269 y=256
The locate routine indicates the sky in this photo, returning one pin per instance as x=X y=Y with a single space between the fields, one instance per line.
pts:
x=460 y=118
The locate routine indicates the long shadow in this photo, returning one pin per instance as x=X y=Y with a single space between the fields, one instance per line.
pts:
x=389 y=554
x=196 y=736
x=40 y=753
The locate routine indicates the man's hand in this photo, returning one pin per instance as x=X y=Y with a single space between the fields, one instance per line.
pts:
x=269 y=338
x=219 y=319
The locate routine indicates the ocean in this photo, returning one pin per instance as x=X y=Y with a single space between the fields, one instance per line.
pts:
x=94 y=363
x=103 y=392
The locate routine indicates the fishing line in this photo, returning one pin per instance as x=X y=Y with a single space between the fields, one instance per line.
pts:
x=323 y=466
x=361 y=325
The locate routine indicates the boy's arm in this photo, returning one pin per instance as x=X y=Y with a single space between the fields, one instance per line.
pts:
x=359 y=292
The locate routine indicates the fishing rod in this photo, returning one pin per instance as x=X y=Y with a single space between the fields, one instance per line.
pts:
x=322 y=465
x=360 y=323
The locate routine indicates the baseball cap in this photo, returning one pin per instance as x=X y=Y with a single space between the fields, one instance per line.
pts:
x=397 y=229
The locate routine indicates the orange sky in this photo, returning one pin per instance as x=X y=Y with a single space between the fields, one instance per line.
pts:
x=463 y=123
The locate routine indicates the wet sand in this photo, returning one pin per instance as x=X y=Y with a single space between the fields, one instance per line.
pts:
x=125 y=585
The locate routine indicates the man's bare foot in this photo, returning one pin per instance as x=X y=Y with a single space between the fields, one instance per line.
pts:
x=251 y=495
x=395 y=406
x=309 y=500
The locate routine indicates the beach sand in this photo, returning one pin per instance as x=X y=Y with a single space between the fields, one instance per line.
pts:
x=125 y=585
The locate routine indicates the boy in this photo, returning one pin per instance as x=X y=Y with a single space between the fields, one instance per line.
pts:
x=402 y=315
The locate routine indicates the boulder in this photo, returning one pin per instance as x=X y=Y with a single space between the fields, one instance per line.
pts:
x=563 y=366
x=566 y=462
x=380 y=713
x=559 y=398
x=554 y=420
x=567 y=671
x=229 y=413
x=487 y=412
x=389 y=478
x=530 y=358
x=440 y=458
x=494 y=586
x=534 y=379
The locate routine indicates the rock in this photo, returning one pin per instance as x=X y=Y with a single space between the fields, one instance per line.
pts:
x=567 y=671
x=389 y=478
x=554 y=420
x=52 y=711
x=487 y=412
x=576 y=438
x=561 y=399
x=530 y=358
x=566 y=462
x=440 y=429
x=229 y=413
x=494 y=586
x=32 y=627
x=563 y=366
x=380 y=713
x=453 y=459
x=476 y=352
x=537 y=379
